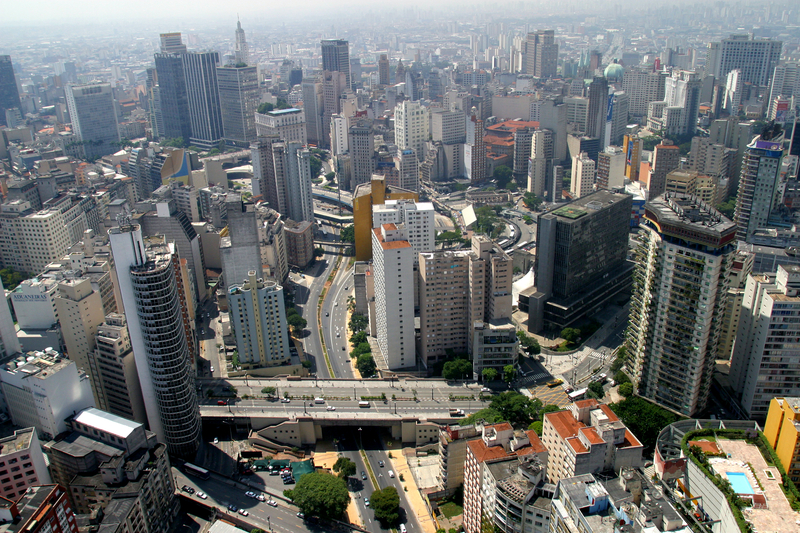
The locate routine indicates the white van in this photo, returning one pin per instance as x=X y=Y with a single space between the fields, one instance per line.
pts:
x=363 y=403
x=319 y=400
x=391 y=474
x=402 y=528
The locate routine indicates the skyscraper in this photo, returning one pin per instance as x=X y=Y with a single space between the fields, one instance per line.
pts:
x=540 y=170
x=297 y=167
x=361 y=144
x=758 y=183
x=336 y=57
x=666 y=158
x=239 y=249
x=9 y=94
x=148 y=278
x=94 y=118
x=333 y=86
x=172 y=97
x=313 y=108
x=542 y=58
x=171 y=43
x=583 y=172
x=756 y=58
x=598 y=105
x=475 y=149
x=679 y=295
x=383 y=70
x=264 y=180
x=241 y=51
x=411 y=127
x=239 y=96
x=202 y=89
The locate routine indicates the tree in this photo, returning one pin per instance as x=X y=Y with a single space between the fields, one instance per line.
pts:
x=297 y=323
x=330 y=176
x=269 y=391
x=644 y=419
x=537 y=427
x=503 y=175
x=176 y=142
x=319 y=251
x=728 y=207
x=626 y=390
x=531 y=201
x=360 y=349
x=316 y=165
x=265 y=107
x=358 y=338
x=489 y=375
x=549 y=408
x=321 y=494
x=11 y=278
x=596 y=390
x=457 y=369
x=571 y=335
x=358 y=322
x=257 y=530
x=621 y=377
x=345 y=467
x=509 y=373
x=515 y=408
x=366 y=365
x=529 y=345
x=348 y=234
x=386 y=504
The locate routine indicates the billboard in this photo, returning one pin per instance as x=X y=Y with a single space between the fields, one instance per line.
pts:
x=781 y=110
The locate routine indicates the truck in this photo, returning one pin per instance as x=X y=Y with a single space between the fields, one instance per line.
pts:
x=319 y=400
x=456 y=412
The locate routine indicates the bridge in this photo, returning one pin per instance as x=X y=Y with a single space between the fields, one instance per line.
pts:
x=333 y=196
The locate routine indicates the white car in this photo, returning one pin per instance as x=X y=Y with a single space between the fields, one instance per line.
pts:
x=243 y=512
x=285 y=400
x=272 y=503
x=202 y=495
x=250 y=494
x=331 y=408
x=261 y=498
x=216 y=440
x=212 y=369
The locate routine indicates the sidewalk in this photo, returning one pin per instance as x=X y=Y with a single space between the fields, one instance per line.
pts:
x=399 y=462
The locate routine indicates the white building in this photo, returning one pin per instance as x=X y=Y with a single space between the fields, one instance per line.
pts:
x=415 y=219
x=411 y=128
x=9 y=344
x=288 y=124
x=94 y=118
x=583 y=171
x=734 y=85
x=258 y=318
x=339 y=131
x=34 y=303
x=393 y=260
x=42 y=389
x=756 y=58
x=407 y=165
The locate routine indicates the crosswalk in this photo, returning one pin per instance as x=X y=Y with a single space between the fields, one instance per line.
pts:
x=597 y=355
x=533 y=377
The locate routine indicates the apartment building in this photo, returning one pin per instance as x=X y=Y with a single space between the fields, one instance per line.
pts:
x=42 y=509
x=782 y=430
x=22 y=463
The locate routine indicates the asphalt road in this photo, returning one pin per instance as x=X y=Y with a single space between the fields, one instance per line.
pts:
x=334 y=321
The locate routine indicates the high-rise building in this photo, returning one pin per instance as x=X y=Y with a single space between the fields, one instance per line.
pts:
x=710 y=158
x=24 y=450
x=272 y=242
x=618 y=122
x=365 y=196
x=666 y=158
x=113 y=371
x=265 y=184
x=758 y=183
x=42 y=389
x=171 y=43
x=643 y=85
x=94 y=118
x=9 y=94
x=785 y=81
x=678 y=114
x=734 y=86
x=598 y=106
x=239 y=249
x=288 y=124
x=741 y=268
x=583 y=173
x=679 y=297
x=241 y=50
x=313 y=108
x=632 y=147
x=258 y=318
x=202 y=90
x=361 y=145
x=405 y=161
x=239 y=97
x=297 y=176
x=475 y=150
x=299 y=238
x=756 y=58
x=448 y=126
x=611 y=168
x=415 y=218
x=393 y=264
x=336 y=57
x=540 y=170
x=9 y=343
x=173 y=100
x=770 y=300
x=542 y=59
x=782 y=431
x=333 y=87
x=383 y=70
x=523 y=139
x=148 y=280
x=411 y=127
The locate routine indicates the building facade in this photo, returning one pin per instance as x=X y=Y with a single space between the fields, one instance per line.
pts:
x=239 y=96
x=94 y=118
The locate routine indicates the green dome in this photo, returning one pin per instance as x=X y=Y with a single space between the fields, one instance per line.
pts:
x=614 y=72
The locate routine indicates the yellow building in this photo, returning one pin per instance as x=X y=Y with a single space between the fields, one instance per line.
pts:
x=632 y=148
x=365 y=196
x=782 y=430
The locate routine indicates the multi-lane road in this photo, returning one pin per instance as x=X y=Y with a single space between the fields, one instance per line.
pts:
x=334 y=321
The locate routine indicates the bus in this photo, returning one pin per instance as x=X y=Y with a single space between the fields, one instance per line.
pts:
x=520 y=245
x=196 y=471
x=503 y=243
x=577 y=395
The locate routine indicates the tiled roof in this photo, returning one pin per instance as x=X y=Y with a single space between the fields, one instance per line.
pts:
x=564 y=423
x=592 y=436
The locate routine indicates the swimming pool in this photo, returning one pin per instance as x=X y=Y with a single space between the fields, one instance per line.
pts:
x=740 y=483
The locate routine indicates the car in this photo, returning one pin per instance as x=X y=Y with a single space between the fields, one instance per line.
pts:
x=187 y=488
x=336 y=304
x=261 y=498
x=216 y=440
x=338 y=334
x=288 y=481
x=273 y=473
x=486 y=389
x=327 y=313
x=366 y=502
x=331 y=408
x=286 y=400
x=250 y=494
x=202 y=331
x=243 y=512
x=233 y=508
x=202 y=495
x=272 y=503
x=380 y=464
x=212 y=369
x=222 y=402
x=402 y=528
x=363 y=475
x=344 y=348
x=300 y=515
x=346 y=287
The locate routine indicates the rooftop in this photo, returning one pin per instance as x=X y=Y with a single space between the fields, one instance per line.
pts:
x=107 y=422
x=19 y=441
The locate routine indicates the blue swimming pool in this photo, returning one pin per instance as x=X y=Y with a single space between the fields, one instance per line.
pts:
x=740 y=483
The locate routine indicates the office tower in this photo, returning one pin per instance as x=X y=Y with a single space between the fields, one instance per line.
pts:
x=339 y=127
x=148 y=279
x=642 y=87
x=679 y=297
x=758 y=183
x=272 y=242
x=117 y=459
x=598 y=105
x=258 y=318
x=666 y=158
x=173 y=97
x=113 y=371
x=405 y=161
x=30 y=240
x=336 y=58
x=785 y=81
x=202 y=91
x=475 y=150
x=299 y=239
x=581 y=259
x=288 y=124
x=523 y=139
x=756 y=58
x=171 y=43
x=94 y=118
x=583 y=172
x=361 y=145
x=333 y=87
x=542 y=54
x=393 y=265
x=611 y=168
x=617 y=122
x=540 y=171
x=763 y=329
x=241 y=50
x=415 y=218
x=265 y=185
x=681 y=91
x=383 y=70
x=297 y=176
x=80 y=311
x=734 y=86
x=741 y=268
x=239 y=97
x=365 y=196
x=238 y=248
x=52 y=384
x=9 y=343
x=632 y=146
x=24 y=450
x=313 y=108
x=448 y=127
x=710 y=159
x=411 y=127
x=577 y=113
x=9 y=94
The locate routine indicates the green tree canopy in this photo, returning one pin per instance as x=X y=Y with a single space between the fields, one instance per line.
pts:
x=621 y=377
x=361 y=349
x=626 y=390
x=265 y=107
x=596 y=390
x=457 y=369
x=531 y=201
x=345 y=467
x=386 y=504
x=11 y=278
x=348 y=234
x=509 y=373
x=320 y=494
x=503 y=175
x=366 y=365
x=358 y=338
x=489 y=374
x=644 y=419
x=358 y=322
x=269 y=391
x=529 y=345
x=537 y=427
x=571 y=335
x=297 y=323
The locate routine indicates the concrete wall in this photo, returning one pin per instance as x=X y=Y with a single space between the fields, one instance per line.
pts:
x=714 y=502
